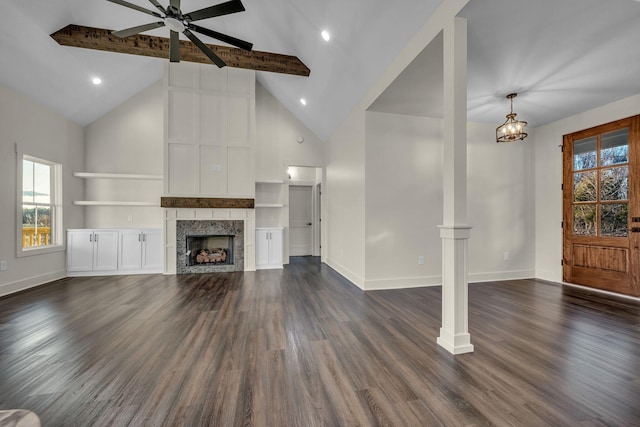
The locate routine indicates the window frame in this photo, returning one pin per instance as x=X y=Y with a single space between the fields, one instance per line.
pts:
x=57 y=238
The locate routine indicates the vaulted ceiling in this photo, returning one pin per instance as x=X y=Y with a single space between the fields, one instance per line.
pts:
x=563 y=56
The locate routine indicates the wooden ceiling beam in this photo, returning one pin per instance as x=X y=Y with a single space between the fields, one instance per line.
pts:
x=158 y=47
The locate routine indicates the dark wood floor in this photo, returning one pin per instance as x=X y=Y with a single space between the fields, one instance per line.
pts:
x=302 y=347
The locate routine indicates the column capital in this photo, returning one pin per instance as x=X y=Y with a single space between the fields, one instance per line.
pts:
x=455 y=231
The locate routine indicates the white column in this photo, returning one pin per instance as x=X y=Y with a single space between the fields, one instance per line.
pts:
x=454 y=334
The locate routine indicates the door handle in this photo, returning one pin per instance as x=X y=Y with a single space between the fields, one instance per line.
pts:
x=309 y=223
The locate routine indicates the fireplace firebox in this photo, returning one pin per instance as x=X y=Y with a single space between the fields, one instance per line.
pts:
x=209 y=250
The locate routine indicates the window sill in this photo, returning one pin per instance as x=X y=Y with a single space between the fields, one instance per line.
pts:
x=39 y=251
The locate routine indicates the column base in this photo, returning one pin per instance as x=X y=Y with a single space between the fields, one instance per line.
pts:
x=455 y=344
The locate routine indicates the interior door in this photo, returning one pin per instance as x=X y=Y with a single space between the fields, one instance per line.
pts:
x=601 y=207
x=300 y=220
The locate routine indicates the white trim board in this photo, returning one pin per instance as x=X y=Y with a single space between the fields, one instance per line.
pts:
x=31 y=282
x=346 y=273
x=402 y=283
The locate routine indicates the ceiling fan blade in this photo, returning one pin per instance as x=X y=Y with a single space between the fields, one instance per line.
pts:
x=136 y=7
x=136 y=30
x=222 y=37
x=212 y=56
x=174 y=7
x=174 y=47
x=232 y=6
x=158 y=5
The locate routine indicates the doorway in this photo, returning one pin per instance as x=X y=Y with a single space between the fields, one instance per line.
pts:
x=304 y=210
x=601 y=207
x=300 y=222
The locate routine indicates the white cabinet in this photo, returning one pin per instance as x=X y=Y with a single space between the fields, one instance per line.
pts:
x=92 y=250
x=118 y=251
x=269 y=247
x=141 y=250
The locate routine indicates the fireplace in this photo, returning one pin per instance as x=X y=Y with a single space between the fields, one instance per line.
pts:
x=209 y=246
x=209 y=249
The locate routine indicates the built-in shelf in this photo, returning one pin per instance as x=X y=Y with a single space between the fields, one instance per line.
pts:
x=91 y=175
x=270 y=181
x=303 y=182
x=269 y=205
x=112 y=203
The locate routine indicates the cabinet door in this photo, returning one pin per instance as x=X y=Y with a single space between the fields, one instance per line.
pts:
x=130 y=255
x=105 y=250
x=80 y=250
x=275 y=241
x=262 y=248
x=152 y=250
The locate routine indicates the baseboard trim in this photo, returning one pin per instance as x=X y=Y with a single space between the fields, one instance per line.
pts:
x=31 y=282
x=95 y=273
x=548 y=275
x=346 y=273
x=402 y=283
x=494 y=276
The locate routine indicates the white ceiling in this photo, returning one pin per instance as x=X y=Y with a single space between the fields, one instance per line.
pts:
x=563 y=56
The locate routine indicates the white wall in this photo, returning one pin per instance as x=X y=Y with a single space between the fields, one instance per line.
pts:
x=403 y=200
x=277 y=147
x=44 y=134
x=344 y=204
x=404 y=203
x=500 y=189
x=129 y=139
x=277 y=133
x=548 y=178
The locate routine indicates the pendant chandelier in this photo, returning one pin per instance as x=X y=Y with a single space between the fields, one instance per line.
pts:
x=511 y=130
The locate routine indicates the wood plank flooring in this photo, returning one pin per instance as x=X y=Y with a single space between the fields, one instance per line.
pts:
x=303 y=347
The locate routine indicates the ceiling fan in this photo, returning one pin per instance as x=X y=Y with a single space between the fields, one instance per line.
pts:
x=179 y=22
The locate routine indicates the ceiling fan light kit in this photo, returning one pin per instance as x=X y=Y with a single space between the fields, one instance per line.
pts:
x=173 y=18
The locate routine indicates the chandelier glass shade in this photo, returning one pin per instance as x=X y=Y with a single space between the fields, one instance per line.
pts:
x=511 y=130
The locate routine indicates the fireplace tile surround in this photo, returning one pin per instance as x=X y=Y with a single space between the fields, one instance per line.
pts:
x=209 y=227
x=201 y=218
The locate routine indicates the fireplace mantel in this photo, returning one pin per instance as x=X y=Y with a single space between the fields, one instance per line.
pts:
x=206 y=203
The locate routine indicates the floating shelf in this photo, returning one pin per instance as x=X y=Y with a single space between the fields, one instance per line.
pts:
x=270 y=181
x=91 y=175
x=269 y=205
x=112 y=203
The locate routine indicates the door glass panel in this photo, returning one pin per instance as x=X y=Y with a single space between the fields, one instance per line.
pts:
x=584 y=153
x=614 y=220
x=614 y=183
x=614 y=147
x=584 y=187
x=584 y=220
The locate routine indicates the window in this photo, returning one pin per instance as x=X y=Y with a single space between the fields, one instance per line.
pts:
x=39 y=206
x=601 y=185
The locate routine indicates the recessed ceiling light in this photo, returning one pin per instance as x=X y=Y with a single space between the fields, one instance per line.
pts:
x=96 y=81
x=325 y=35
x=303 y=101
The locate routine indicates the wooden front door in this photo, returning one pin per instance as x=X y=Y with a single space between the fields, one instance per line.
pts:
x=601 y=204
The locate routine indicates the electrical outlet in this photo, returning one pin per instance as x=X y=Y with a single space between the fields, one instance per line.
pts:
x=506 y=256
x=130 y=218
x=421 y=260
x=3 y=265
